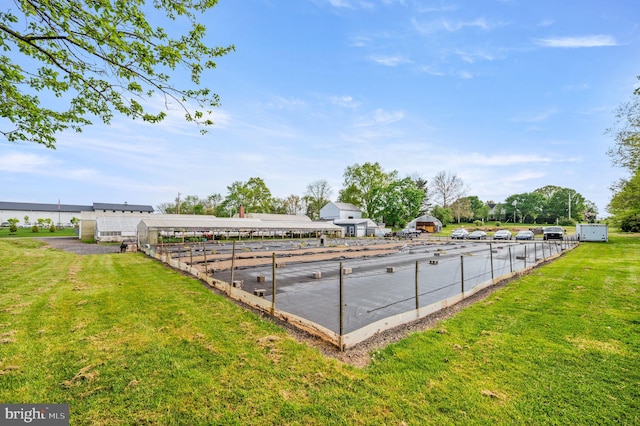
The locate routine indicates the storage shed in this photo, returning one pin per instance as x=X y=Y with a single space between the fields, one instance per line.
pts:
x=425 y=223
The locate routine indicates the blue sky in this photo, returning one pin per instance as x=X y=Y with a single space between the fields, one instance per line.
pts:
x=510 y=95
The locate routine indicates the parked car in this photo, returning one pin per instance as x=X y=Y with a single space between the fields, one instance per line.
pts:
x=502 y=234
x=525 y=235
x=552 y=233
x=477 y=235
x=460 y=234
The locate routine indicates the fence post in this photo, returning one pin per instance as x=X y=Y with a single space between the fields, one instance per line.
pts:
x=525 y=256
x=510 y=261
x=491 y=257
x=206 y=268
x=341 y=308
x=462 y=273
x=190 y=255
x=273 y=285
x=417 y=290
x=233 y=262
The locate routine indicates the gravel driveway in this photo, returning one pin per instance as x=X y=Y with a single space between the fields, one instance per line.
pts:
x=74 y=245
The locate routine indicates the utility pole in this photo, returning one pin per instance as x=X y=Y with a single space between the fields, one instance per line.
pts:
x=178 y=203
x=569 y=204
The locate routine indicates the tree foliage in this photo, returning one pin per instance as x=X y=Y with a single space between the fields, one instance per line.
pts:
x=625 y=202
x=64 y=61
x=360 y=183
x=253 y=195
x=626 y=133
x=397 y=203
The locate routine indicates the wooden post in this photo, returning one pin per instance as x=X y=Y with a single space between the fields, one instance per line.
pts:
x=491 y=257
x=510 y=261
x=462 y=273
x=233 y=260
x=273 y=285
x=341 y=301
x=190 y=255
x=417 y=289
x=525 y=256
x=206 y=269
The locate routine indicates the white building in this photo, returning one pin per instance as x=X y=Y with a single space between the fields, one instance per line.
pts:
x=337 y=211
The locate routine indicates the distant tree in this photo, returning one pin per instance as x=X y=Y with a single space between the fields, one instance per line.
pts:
x=26 y=219
x=253 y=195
x=625 y=204
x=461 y=208
x=590 y=212
x=293 y=205
x=98 y=58
x=443 y=214
x=422 y=184
x=526 y=206
x=446 y=188
x=360 y=182
x=318 y=194
x=397 y=203
x=278 y=206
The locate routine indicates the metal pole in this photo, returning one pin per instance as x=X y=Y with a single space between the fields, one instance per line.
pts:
x=491 y=257
x=525 y=256
x=462 y=273
x=417 y=290
x=341 y=307
x=273 y=286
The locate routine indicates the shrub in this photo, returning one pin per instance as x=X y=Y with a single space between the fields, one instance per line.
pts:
x=630 y=223
x=35 y=228
x=498 y=224
x=13 y=228
x=477 y=223
x=566 y=222
x=52 y=228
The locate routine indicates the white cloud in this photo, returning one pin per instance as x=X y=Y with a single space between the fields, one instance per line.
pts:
x=23 y=163
x=576 y=42
x=344 y=101
x=390 y=61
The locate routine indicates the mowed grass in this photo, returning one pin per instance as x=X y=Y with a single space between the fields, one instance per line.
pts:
x=124 y=340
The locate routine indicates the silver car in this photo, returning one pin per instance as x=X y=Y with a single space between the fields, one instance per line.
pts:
x=502 y=234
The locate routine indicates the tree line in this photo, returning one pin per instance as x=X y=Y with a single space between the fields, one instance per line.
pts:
x=385 y=197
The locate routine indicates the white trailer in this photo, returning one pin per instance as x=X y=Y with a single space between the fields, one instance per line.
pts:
x=592 y=232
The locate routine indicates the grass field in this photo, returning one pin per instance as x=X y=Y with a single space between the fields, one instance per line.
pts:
x=124 y=340
x=43 y=232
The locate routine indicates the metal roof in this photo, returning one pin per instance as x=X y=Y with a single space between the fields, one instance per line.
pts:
x=42 y=207
x=122 y=207
x=204 y=222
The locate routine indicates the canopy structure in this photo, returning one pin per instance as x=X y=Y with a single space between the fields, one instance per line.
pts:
x=150 y=229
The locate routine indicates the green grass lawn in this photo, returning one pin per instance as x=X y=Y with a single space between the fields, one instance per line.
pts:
x=42 y=232
x=124 y=340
